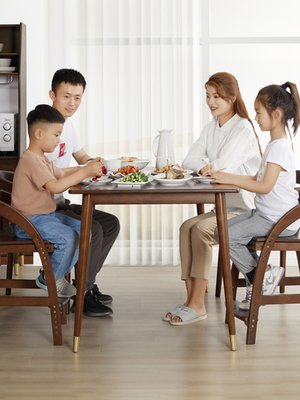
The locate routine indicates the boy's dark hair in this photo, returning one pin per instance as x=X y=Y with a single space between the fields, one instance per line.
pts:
x=44 y=113
x=67 y=75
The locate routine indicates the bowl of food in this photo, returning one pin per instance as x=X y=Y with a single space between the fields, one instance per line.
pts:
x=112 y=164
x=134 y=161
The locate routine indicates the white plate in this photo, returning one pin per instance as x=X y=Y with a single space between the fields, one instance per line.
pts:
x=103 y=180
x=161 y=178
x=120 y=183
x=203 y=179
x=186 y=171
x=7 y=69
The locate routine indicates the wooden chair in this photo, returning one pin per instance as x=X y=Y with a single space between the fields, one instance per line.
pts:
x=10 y=245
x=267 y=244
x=239 y=282
x=6 y=179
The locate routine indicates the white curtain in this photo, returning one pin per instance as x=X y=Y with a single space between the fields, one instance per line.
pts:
x=145 y=62
x=142 y=62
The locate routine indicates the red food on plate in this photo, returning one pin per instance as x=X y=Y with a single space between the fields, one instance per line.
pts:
x=127 y=169
x=104 y=172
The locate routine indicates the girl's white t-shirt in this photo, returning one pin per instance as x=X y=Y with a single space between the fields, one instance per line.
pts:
x=283 y=196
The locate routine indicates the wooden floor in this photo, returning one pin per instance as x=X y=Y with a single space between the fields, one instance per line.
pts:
x=134 y=355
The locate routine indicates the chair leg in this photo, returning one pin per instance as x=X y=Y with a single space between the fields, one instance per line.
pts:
x=252 y=319
x=63 y=313
x=16 y=264
x=282 y=264
x=253 y=313
x=22 y=259
x=9 y=271
x=234 y=277
x=56 y=325
x=219 y=277
x=298 y=259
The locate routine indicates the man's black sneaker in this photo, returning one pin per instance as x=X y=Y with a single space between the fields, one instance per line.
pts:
x=92 y=307
x=104 y=298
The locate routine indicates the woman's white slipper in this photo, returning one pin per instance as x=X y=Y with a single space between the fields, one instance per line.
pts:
x=187 y=315
x=168 y=317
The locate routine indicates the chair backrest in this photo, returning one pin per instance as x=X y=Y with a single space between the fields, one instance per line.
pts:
x=6 y=179
x=5 y=197
x=13 y=216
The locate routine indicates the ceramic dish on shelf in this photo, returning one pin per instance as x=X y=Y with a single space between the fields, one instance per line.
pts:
x=120 y=182
x=203 y=179
x=161 y=178
x=7 y=69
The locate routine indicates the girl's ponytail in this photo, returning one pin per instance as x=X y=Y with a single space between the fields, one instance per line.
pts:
x=293 y=109
x=286 y=97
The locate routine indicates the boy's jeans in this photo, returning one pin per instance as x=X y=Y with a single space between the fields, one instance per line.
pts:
x=63 y=232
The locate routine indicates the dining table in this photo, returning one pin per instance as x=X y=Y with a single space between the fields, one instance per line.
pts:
x=191 y=192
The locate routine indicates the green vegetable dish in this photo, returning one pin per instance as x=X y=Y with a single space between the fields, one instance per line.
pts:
x=136 y=177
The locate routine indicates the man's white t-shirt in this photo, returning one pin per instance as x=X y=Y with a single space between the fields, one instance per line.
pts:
x=69 y=144
x=283 y=196
x=62 y=155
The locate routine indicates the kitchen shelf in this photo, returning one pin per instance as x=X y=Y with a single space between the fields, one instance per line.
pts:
x=13 y=93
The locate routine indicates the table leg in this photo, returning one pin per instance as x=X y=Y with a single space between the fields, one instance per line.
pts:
x=224 y=249
x=85 y=230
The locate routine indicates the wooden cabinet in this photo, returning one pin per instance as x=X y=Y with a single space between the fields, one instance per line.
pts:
x=12 y=95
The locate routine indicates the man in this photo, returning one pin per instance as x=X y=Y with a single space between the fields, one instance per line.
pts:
x=66 y=94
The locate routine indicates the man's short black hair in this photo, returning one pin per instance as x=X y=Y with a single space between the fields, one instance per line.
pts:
x=67 y=75
x=44 y=113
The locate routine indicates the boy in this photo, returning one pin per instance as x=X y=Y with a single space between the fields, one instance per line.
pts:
x=66 y=93
x=36 y=180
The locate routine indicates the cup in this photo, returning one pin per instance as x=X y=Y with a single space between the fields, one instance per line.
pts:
x=113 y=164
x=5 y=62
x=1 y=46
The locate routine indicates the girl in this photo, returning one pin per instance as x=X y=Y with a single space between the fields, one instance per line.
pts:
x=274 y=184
x=228 y=142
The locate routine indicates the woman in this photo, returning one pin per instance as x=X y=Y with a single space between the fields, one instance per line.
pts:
x=229 y=143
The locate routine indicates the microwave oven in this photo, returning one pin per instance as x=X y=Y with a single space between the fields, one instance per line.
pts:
x=7 y=131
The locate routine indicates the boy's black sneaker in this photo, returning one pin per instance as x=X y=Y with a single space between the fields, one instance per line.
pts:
x=92 y=307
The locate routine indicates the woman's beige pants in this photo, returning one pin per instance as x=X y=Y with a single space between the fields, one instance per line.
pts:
x=195 y=245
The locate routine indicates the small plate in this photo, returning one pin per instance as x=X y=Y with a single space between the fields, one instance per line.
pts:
x=203 y=179
x=120 y=183
x=161 y=178
x=103 y=180
x=186 y=171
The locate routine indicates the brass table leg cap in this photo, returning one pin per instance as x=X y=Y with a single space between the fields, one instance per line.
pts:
x=76 y=342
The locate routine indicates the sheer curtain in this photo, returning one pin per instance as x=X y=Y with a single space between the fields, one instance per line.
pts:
x=142 y=62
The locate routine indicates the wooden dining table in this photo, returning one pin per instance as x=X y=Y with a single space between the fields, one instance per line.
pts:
x=190 y=192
